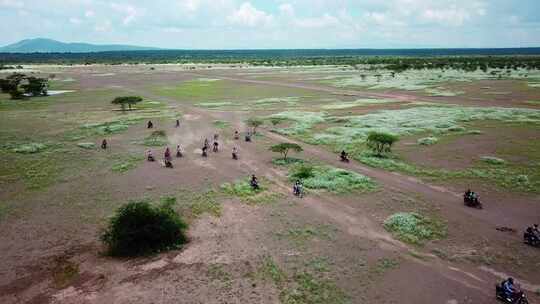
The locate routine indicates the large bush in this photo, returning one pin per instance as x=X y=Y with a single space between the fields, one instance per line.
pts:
x=139 y=228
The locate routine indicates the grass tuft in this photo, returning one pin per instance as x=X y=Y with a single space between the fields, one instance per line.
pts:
x=414 y=228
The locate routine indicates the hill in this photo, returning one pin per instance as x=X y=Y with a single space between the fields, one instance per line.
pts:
x=42 y=45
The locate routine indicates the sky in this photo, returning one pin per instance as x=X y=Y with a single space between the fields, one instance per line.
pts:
x=258 y=24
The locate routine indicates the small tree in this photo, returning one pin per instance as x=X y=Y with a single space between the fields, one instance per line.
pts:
x=11 y=84
x=126 y=100
x=284 y=148
x=254 y=123
x=380 y=142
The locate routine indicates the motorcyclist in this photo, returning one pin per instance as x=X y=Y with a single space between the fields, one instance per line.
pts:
x=178 y=151
x=216 y=145
x=178 y=123
x=206 y=143
x=509 y=289
x=167 y=155
x=531 y=234
x=235 y=152
x=149 y=125
x=254 y=182
x=204 y=149
x=236 y=134
x=248 y=136
x=150 y=156
x=344 y=156
x=297 y=188
x=468 y=194
x=104 y=144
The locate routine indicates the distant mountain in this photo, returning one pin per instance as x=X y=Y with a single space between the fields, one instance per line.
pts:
x=42 y=45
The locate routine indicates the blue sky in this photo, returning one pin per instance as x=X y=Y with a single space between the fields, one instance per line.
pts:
x=238 y=24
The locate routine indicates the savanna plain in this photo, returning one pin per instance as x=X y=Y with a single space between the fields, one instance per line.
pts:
x=388 y=228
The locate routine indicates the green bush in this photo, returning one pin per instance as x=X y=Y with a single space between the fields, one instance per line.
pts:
x=87 y=145
x=139 y=228
x=493 y=160
x=414 y=228
x=301 y=171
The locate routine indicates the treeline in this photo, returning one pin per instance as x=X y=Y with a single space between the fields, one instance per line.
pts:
x=396 y=60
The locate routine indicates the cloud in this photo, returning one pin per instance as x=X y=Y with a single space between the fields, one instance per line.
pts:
x=89 y=14
x=11 y=3
x=130 y=12
x=75 y=20
x=318 y=22
x=105 y=26
x=248 y=15
x=286 y=9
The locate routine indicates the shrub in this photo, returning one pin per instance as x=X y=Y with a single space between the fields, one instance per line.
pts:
x=301 y=171
x=428 y=141
x=381 y=142
x=286 y=162
x=414 y=228
x=138 y=228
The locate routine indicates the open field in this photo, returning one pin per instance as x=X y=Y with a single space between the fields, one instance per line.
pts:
x=387 y=229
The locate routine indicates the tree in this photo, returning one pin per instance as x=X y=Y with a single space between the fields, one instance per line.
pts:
x=254 y=123
x=11 y=84
x=126 y=100
x=381 y=142
x=35 y=86
x=284 y=148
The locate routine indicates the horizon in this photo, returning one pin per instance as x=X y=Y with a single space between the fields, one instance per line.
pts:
x=294 y=24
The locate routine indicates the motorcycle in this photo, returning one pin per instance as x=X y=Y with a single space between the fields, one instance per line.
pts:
x=254 y=185
x=298 y=191
x=168 y=164
x=234 y=156
x=531 y=239
x=472 y=202
x=344 y=159
x=519 y=297
x=150 y=158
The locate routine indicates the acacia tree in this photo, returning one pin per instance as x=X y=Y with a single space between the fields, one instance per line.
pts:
x=254 y=123
x=35 y=86
x=380 y=142
x=126 y=100
x=284 y=148
x=11 y=84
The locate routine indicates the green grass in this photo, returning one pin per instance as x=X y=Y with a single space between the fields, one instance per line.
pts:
x=220 y=124
x=217 y=273
x=357 y=103
x=243 y=190
x=194 y=204
x=492 y=160
x=30 y=148
x=270 y=271
x=385 y=264
x=320 y=264
x=309 y=289
x=331 y=179
x=127 y=163
x=414 y=228
x=157 y=138
x=87 y=145
x=427 y=141
x=286 y=162
x=301 y=235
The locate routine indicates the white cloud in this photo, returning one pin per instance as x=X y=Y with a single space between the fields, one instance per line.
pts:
x=105 y=26
x=286 y=9
x=248 y=15
x=75 y=20
x=452 y=16
x=89 y=14
x=11 y=3
x=130 y=12
x=318 y=22
x=191 y=5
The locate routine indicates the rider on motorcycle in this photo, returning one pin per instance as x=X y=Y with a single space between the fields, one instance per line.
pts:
x=235 y=152
x=297 y=188
x=509 y=289
x=254 y=182
x=150 y=156
x=344 y=155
